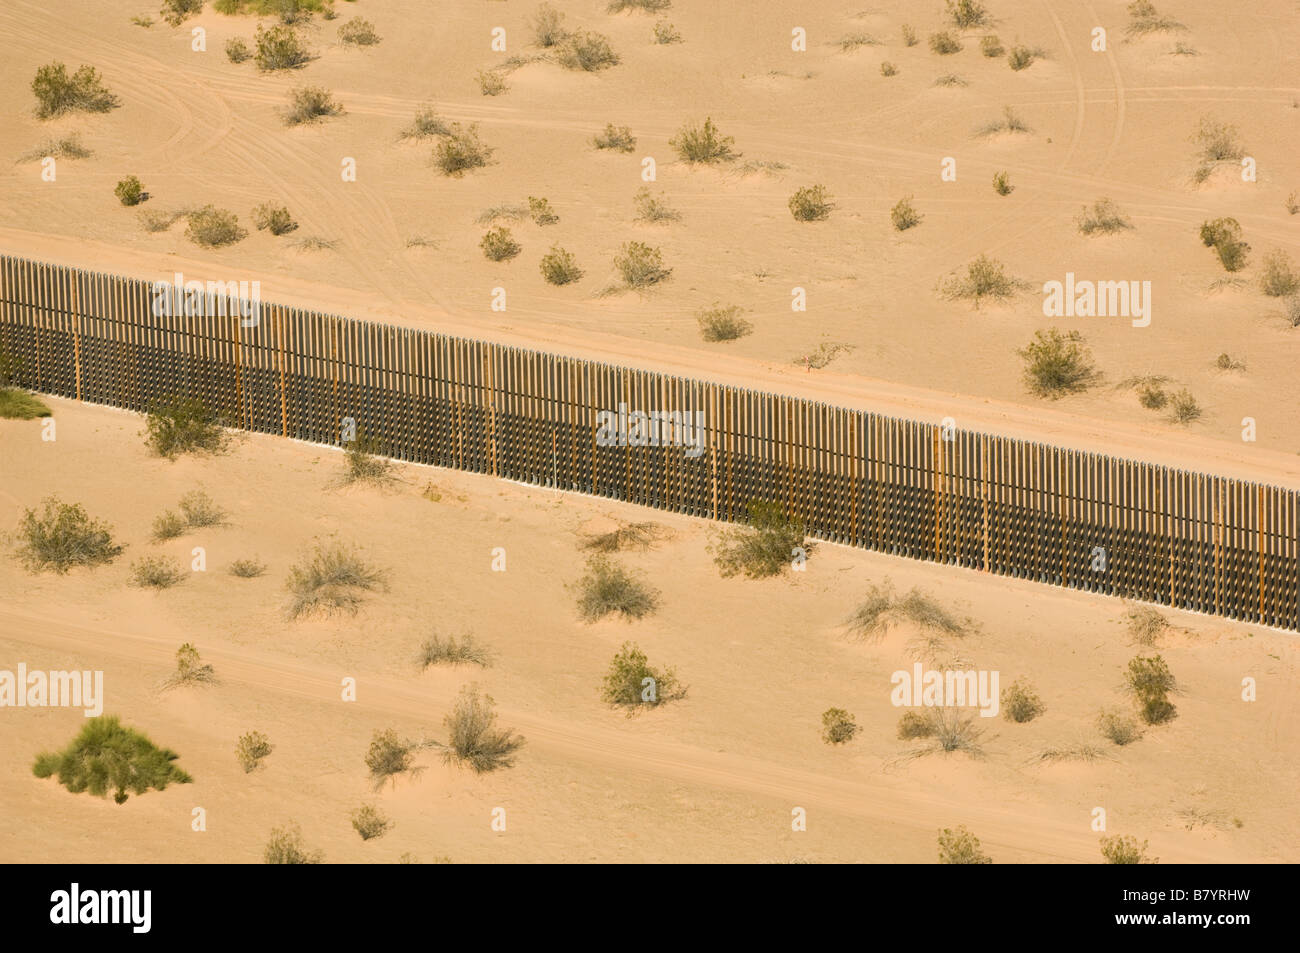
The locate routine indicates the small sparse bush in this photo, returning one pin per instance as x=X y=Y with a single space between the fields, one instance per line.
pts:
x=1225 y=362
x=1020 y=704
x=144 y=21
x=548 y=29
x=838 y=726
x=703 y=144
x=1151 y=681
x=1183 y=408
x=466 y=650
x=1010 y=122
x=190 y=669
x=130 y=191
x=461 y=150
x=913 y=725
x=888 y=69
x=1277 y=277
x=638 y=536
x=248 y=568
x=309 y=104
x=425 y=125
x=158 y=220
x=960 y=846
x=985 y=278
x=389 y=756
x=1151 y=395
x=279 y=48
x=966 y=14
x=200 y=510
x=1145 y=624
x=1183 y=49
x=109 y=757
x=541 y=211
x=764 y=546
x=811 y=204
x=909 y=35
x=589 y=52
x=1057 y=363
x=286 y=847
x=364 y=463
x=618 y=138
x=62 y=536
x=1224 y=236
x=511 y=212
x=370 y=822
x=58 y=93
x=722 y=324
x=1292 y=204
x=168 y=526
x=176 y=12
x=641 y=265
x=251 y=749
x=237 y=50
x=1217 y=141
x=62 y=147
x=274 y=219
x=1022 y=57
x=1146 y=20
x=609 y=588
x=904 y=215
x=559 y=267
x=632 y=684
x=473 y=740
x=945 y=43
x=358 y=32
x=334 y=579
x=853 y=41
x=880 y=610
x=212 y=227
x=651 y=208
x=950 y=79
x=1120 y=728
x=179 y=424
x=1125 y=850
x=491 y=83
x=499 y=245
x=642 y=6
x=19 y=405
x=1002 y=184
x=991 y=47
x=666 y=33
x=825 y=352
x=1293 y=311
x=156 y=572
x=1104 y=217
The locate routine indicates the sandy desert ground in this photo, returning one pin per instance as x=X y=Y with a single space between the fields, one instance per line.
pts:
x=714 y=776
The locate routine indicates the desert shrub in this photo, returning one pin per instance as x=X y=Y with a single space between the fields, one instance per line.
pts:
x=200 y=510
x=156 y=572
x=333 y=579
x=1079 y=752
x=722 y=324
x=389 y=756
x=1117 y=726
x=286 y=847
x=955 y=731
x=985 y=278
x=247 y=568
x=308 y=104
x=61 y=536
x=1022 y=57
x=499 y=245
x=176 y=12
x=510 y=211
x=274 y=219
x=643 y=6
x=811 y=204
x=991 y=47
x=1293 y=311
x=358 y=32
x=589 y=52
x=763 y=546
x=58 y=93
x=108 y=757
x=853 y=41
x=1217 y=141
x=1224 y=236
x=1057 y=363
x=1183 y=408
x=1277 y=277
x=460 y=150
x=966 y=14
x=608 y=588
x=559 y=267
x=491 y=83
x=168 y=526
x=190 y=669
x=703 y=144
x=363 y=462
x=1151 y=681
x=904 y=215
x=314 y=243
x=466 y=650
x=651 y=208
x=838 y=726
x=473 y=739
x=251 y=748
x=144 y=21
x=426 y=124
x=1145 y=624
x=212 y=227
x=960 y=846
x=1146 y=20
x=62 y=147
x=665 y=33
x=824 y=353
x=548 y=29
x=279 y=48
x=909 y=35
x=370 y=822
x=1125 y=850
x=638 y=536
x=1225 y=362
x=633 y=684
x=641 y=265
x=618 y=138
x=20 y=405
x=1010 y=122
x=130 y=191
x=180 y=424
x=1020 y=704
x=1002 y=184
x=950 y=79
x=1104 y=217
x=888 y=69
x=541 y=211
x=1151 y=395
x=913 y=725
x=159 y=220
x=237 y=50
x=945 y=43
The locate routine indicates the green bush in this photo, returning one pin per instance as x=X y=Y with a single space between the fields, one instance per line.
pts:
x=559 y=267
x=1002 y=184
x=466 y=650
x=618 y=138
x=461 y=150
x=1151 y=395
x=247 y=568
x=286 y=847
x=176 y=12
x=985 y=278
x=960 y=846
x=499 y=245
x=1103 y=218
x=652 y=208
x=1120 y=728
x=541 y=211
x=108 y=757
x=156 y=572
x=358 y=32
x=200 y=510
x=548 y=29
x=370 y=822
x=1020 y=704
x=279 y=48
x=991 y=47
x=811 y=204
x=633 y=684
x=641 y=265
x=473 y=738
x=1277 y=277
x=589 y=52
x=1183 y=408
x=168 y=526
x=211 y=227
x=237 y=50
x=608 y=588
x=722 y=324
x=180 y=424
x=1224 y=236
x=1022 y=57
x=18 y=405
x=966 y=14
x=838 y=726
x=389 y=756
x=945 y=43
x=1057 y=363
x=764 y=546
x=426 y=124
x=251 y=749
x=58 y=93
x=309 y=104
x=1151 y=681
x=904 y=215
x=1125 y=850
x=703 y=144
x=190 y=669
x=364 y=461
x=333 y=579
x=62 y=536
x=130 y=191
x=274 y=219
x=913 y=725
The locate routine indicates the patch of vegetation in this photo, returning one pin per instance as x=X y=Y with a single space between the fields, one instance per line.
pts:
x=286 y=847
x=618 y=138
x=499 y=245
x=915 y=724
x=156 y=572
x=1104 y=218
x=130 y=191
x=909 y=35
x=824 y=353
x=1118 y=727
x=358 y=32
x=274 y=219
x=190 y=669
x=1216 y=141
x=370 y=822
x=888 y=69
x=838 y=726
x=179 y=424
x=722 y=324
x=212 y=227
x=200 y=510
x=1010 y=122
x=1020 y=704
x=20 y=405
x=652 y=208
x=248 y=568
x=1151 y=682
x=560 y=267
x=1225 y=362
x=641 y=6
x=1183 y=408
x=1057 y=363
x=904 y=215
x=58 y=93
x=491 y=83
x=1145 y=20
x=665 y=33
x=1085 y=753
x=159 y=220
x=426 y=124
x=473 y=738
x=960 y=846
x=704 y=144
x=1002 y=184
x=589 y=52
x=106 y=756
x=951 y=730
x=237 y=50
x=641 y=265
x=1277 y=276
x=764 y=545
x=61 y=536
x=967 y=14
x=460 y=150
x=168 y=526
x=608 y=588
x=951 y=79
x=176 y=12
x=364 y=463
x=985 y=279
x=945 y=43
x=631 y=536
x=880 y=610
x=334 y=579
x=466 y=650
x=633 y=684
x=63 y=147
x=1183 y=49
x=390 y=756
x=314 y=243
x=541 y=211
x=1145 y=624
x=991 y=47
x=853 y=41
x=251 y=749
x=1125 y=850
x=548 y=27
x=309 y=104
x=1224 y=236
x=1151 y=395
x=811 y=204
x=1023 y=57
x=1293 y=311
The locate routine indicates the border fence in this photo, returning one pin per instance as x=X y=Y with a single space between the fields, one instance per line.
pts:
x=1017 y=508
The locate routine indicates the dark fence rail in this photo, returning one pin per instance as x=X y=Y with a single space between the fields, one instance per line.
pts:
x=1067 y=517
